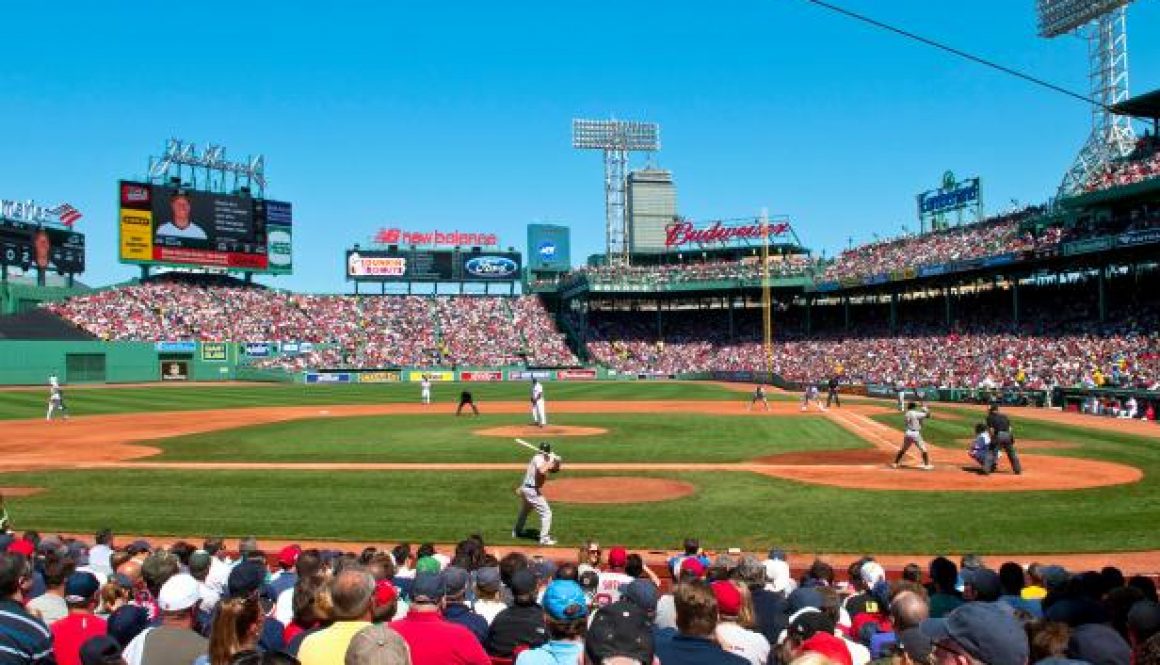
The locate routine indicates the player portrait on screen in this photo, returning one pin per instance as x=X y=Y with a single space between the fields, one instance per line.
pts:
x=181 y=224
x=43 y=249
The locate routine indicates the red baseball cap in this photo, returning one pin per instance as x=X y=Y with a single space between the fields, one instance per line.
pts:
x=693 y=565
x=828 y=645
x=288 y=556
x=617 y=557
x=728 y=598
x=385 y=592
x=22 y=546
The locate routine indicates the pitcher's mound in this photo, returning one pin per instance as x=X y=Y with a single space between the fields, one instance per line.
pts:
x=619 y=489
x=531 y=431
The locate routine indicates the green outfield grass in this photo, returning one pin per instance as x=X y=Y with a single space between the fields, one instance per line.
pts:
x=444 y=438
x=31 y=403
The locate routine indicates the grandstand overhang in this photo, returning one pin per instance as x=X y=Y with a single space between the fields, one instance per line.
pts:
x=1144 y=107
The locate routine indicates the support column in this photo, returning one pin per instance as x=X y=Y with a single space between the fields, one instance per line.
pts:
x=894 y=312
x=1103 y=293
x=732 y=330
x=1015 y=301
x=846 y=307
x=660 y=327
x=947 y=301
x=809 y=315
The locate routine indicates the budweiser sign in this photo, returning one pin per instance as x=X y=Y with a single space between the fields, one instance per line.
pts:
x=681 y=233
x=394 y=236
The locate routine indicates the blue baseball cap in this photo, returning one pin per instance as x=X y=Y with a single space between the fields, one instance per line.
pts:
x=564 y=600
x=985 y=630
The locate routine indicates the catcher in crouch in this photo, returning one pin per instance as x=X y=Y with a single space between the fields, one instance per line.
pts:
x=531 y=498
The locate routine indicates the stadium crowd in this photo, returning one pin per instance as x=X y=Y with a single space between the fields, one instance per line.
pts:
x=66 y=601
x=342 y=331
x=998 y=235
x=1142 y=165
x=787 y=265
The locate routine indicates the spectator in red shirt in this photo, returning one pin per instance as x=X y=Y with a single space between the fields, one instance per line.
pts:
x=69 y=633
x=433 y=639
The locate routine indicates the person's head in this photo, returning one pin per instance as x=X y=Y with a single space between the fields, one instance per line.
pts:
x=100 y=650
x=977 y=633
x=308 y=563
x=114 y=594
x=15 y=575
x=236 y=626
x=510 y=563
x=911 y=406
x=523 y=586
x=943 y=574
x=384 y=602
x=350 y=594
x=908 y=610
x=589 y=553
x=455 y=583
x=178 y=599
x=81 y=591
x=821 y=573
x=692 y=547
x=565 y=610
x=696 y=609
x=158 y=568
x=43 y=246
x=104 y=537
x=617 y=558
x=376 y=645
x=980 y=428
x=215 y=545
x=619 y=631
x=487 y=583
x=1011 y=578
x=994 y=408
x=127 y=622
x=56 y=570
x=310 y=600
x=981 y=584
x=181 y=207
x=1047 y=639
x=912 y=572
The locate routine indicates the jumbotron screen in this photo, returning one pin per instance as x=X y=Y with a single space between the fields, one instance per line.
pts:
x=178 y=226
x=28 y=246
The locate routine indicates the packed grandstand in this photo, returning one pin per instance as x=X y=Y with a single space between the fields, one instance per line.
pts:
x=395 y=605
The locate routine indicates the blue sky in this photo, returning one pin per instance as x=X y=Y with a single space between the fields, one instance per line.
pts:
x=457 y=115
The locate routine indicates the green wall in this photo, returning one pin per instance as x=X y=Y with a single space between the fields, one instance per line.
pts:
x=31 y=362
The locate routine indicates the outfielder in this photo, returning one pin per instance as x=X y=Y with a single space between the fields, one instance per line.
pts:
x=758 y=396
x=539 y=413
x=531 y=495
x=56 y=402
x=425 y=389
x=913 y=436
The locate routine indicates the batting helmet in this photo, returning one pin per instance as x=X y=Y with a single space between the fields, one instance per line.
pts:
x=545 y=447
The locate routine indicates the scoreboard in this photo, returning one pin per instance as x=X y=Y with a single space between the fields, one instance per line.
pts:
x=432 y=265
x=167 y=225
x=26 y=245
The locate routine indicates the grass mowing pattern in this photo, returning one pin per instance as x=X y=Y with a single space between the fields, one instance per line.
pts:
x=32 y=403
x=445 y=438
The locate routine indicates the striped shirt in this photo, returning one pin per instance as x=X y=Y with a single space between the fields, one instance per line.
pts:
x=24 y=639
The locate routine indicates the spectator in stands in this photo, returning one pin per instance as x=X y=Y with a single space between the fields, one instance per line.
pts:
x=350 y=594
x=377 y=645
x=621 y=630
x=432 y=639
x=984 y=632
x=943 y=595
x=487 y=591
x=735 y=621
x=456 y=609
x=174 y=640
x=521 y=624
x=236 y=628
x=696 y=608
x=70 y=632
x=565 y=614
x=50 y=606
x=24 y=637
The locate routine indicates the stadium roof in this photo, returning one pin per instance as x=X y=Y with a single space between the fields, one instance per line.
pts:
x=1143 y=106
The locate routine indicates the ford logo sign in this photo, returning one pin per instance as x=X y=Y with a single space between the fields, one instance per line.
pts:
x=547 y=251
x=491 y=266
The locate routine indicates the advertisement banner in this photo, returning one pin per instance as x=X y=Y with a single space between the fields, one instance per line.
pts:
x=175 y=347
x=500 y=266
x=549 y=248
x=481 y=375
x=932 y=270
x=279 y=217
x=214 y=352
x=529 y=374
x=953 y=195
x=434 y=376
x=999 y=260
x=174 y=370
x=1145 y=237
x=1086 y=246
x=258 y=349
x=137 y=235
x=576 y=374
x=328 y=377
x=379 y=377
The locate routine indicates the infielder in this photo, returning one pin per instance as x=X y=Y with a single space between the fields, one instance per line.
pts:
x=913 y=436
x=539 y=413
x=531 y=495
x=425 y=389
x=758 y=396
x=56 y=401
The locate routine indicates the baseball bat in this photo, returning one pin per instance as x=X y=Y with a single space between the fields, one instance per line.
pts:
x=536 y=448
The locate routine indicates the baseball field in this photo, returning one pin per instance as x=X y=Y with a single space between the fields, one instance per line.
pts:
x=645 y=464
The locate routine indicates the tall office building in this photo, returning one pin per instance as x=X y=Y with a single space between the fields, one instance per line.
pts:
x=651 y=206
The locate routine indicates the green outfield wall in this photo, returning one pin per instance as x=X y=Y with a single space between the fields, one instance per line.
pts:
x=31 y=362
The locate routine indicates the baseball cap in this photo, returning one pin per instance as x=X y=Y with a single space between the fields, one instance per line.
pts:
x=642 y=593
x=809 y=621
x=100 y=650
x=427 y=564
x=126 y=622
x=617 y=557
x=22 y=546
x=777 y=572
x=80 y=587
x=1054 y=577
x=288 y=555
x=246 y=578
x=544 y=569
x=1099 y=644
x=985 y=630
x=693 y=566
x=564 y=600
x=200 y=561
x=619 y=629
x=138 y=546
x=428 y=587
x=777 y=554
x=751 y=571
x=488 y=579
x=802 y=598
x=728 y=598
x=523 y=582
x=829 y=646
x=985 y=582
x=179 y=592
x=455 y=581
x=872 y=573
x=385 y=592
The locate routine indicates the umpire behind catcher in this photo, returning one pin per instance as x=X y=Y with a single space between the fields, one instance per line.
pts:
x=1000 y=428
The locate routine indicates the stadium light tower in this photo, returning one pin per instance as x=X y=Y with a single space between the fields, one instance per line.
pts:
x=616 y=138
x=1104 y=24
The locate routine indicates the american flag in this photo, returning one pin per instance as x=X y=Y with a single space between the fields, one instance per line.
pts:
x=68 y=214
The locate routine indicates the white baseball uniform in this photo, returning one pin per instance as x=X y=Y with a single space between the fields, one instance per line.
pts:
x=425 y=390
x=534 y=479
x=539 y=412
x=56 y=403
